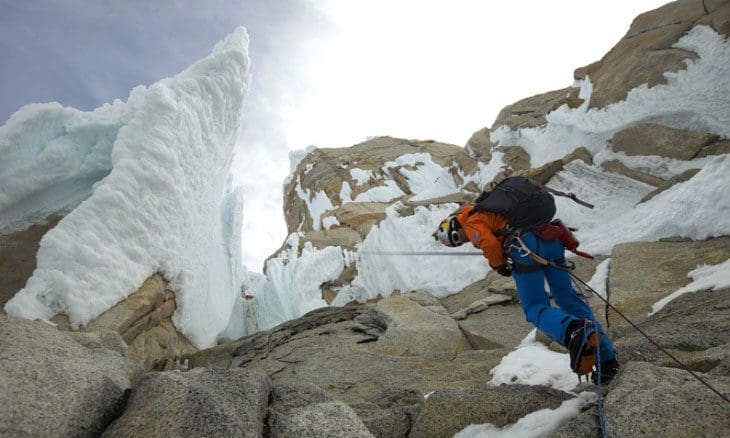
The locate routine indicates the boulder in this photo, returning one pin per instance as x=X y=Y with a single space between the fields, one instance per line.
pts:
x=57 y=383
x=199 y=403
x=668 y=184
x=642 y=273
x=653 y=139
x=446 y=412
x=17 y=257
x=413 y=328
x=144 y=320
x=649 y=400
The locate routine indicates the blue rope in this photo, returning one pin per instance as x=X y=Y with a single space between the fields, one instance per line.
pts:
x=599 y=393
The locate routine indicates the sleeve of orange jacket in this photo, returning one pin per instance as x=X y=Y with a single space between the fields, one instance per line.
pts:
x=479 y=228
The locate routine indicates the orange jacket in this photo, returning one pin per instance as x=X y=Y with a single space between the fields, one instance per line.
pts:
x=479 y=228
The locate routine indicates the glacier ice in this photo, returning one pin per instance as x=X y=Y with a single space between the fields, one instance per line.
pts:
x=149 y=180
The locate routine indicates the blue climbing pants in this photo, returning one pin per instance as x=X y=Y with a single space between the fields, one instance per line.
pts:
x=553 y=321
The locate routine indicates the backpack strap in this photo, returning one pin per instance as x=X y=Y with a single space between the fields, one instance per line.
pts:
x=570 y=196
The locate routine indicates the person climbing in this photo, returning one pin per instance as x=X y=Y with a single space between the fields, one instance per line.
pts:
x=512 y=226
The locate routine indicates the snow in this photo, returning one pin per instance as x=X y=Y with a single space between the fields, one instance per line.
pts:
x=533 y=363
x=428 y=180
x=698 y=208
x=361 y=176
x=329 y=222
x=345 y=193
x=51 y=156
x=151 y=176
x=385 y=193
x=537 y=424
x=382 y=274
x=291 y=287
x=661 y=167
x=705 y=277
x=689 y=100
x=487 y=172
x=599 y=281
x=316 y=204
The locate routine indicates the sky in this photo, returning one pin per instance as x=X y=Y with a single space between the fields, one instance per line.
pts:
x=325 y=73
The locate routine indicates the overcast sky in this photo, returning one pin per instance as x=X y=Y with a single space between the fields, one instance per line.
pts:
x=325 y=73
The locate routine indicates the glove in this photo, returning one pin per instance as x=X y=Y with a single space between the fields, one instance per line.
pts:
x=504 y=270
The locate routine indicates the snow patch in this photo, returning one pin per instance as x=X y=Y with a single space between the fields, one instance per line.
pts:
x=705 y=277
x=385 y=193
x=599 y=281
x=361 y=176
x=316 y=204
x=537 y=424
x=533 y=363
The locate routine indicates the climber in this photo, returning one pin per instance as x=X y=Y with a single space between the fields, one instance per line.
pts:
x=512 y=226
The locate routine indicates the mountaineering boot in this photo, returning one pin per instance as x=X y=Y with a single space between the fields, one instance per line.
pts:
x=581 y=340
x=609 y=369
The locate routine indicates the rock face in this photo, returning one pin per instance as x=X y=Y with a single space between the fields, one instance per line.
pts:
x=328 y=173
x=339 y=350
x=57 y=383
x=645 y=52
x=144 y=322
x=200 y=403
x=17 y=258
x=642 y=273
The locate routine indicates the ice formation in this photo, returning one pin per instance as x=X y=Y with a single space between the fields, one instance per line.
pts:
x=151 y=181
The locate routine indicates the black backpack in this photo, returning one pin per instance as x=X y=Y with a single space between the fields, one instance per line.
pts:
x=524 y=203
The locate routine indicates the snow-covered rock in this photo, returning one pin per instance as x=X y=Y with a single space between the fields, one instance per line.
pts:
x=647 y=50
